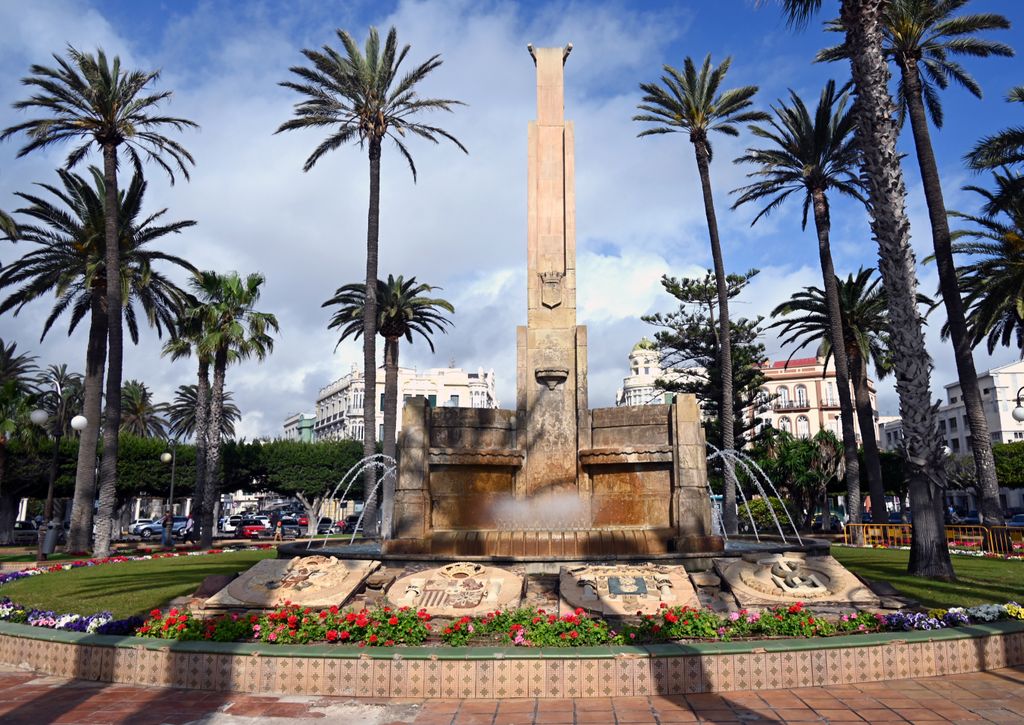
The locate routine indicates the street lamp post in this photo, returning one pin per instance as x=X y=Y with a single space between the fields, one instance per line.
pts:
x=172 y=458
x=47 y=539
x=1018 y=412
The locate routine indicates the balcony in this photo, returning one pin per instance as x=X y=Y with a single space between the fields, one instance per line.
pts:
x=791 y=405
x=830 y=403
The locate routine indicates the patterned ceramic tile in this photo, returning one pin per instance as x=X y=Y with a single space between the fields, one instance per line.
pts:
x=572 y=678
x=855 y=663
x=414 y=670
x=642 y=677
x=709 y=669
x=484 y=678
x=299 y=683
x=834 y=666
x=590 y=678
x=432 y=683
x=535 y=674
x=554 y=678
x=818 y=669
x=607 y=678
x=381 y=670
x=449 y=679
x=624 y=676
x=759 y=678
x=362 y=678
x=659 y=675
x=774 y=677
x=467 y=678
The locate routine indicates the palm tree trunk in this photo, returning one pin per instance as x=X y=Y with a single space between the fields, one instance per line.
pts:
x=822 y=225
x=112 y=409
x=212 y=491
x=390 y=423
x=981 y=442
x=80 y=533
x=725 y=411
x=866 y=420
x=370 y=340
x=202 y=434
x=876 y=137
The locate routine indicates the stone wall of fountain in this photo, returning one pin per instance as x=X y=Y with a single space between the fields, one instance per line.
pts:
x=641 y=487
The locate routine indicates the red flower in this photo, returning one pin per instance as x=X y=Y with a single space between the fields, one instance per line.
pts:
x=344 y=634
x=156 y=614
x=670 y=617
x=663 y=605
x=389 y=643
x=332 y=634
x=293 y=620
x=334 y=609
x=393 y=620
x=373 y=638
x=573 y=634
x=580 y=610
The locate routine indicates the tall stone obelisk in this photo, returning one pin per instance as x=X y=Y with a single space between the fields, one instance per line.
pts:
x=552 y=349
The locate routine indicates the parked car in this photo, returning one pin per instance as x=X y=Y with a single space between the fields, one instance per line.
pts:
x=137 y=524
x=253 y=528
x=896 y=517
x=973 y=518
x=290 y=528
x=1017 y=520
x=228 y=524
x=327 y=525
x=155 y=528
x=350 y=524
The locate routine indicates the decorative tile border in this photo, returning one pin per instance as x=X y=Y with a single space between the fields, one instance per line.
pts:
x=481 y=672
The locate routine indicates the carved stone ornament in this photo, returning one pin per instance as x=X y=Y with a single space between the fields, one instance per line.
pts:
x=552 y=377
x=626 y=589
x=791 y=577
x=551 y=289
x=454 y=590
x=306 y=580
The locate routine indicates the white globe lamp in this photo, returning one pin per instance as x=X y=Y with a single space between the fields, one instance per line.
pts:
x=79 y=422
x=1018 y=413
x=165 y=457
x=38 y=417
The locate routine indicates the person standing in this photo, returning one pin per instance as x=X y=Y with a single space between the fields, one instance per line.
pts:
x=189 y=532
x=166 y=523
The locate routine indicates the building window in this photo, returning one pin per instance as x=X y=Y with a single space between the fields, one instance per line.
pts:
x=952 y=425
x=382 y=401
x=453 y=401
x=433 y=400
x=783 y=392
x=784 y=425
x=955 y=445
x=803 y=427
x=647 y=371
x=801 y=395
x=952 y=398
x=380 y=432
x=942 y=426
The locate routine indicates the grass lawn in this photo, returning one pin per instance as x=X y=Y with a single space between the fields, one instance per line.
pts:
x=134 y=587
x=979 y=581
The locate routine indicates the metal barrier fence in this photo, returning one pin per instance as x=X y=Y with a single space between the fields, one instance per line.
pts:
x=1003 y=540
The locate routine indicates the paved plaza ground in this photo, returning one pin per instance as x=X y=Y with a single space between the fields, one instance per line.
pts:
x=985 y=697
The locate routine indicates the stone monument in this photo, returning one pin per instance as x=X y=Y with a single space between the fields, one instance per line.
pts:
x=623 y=482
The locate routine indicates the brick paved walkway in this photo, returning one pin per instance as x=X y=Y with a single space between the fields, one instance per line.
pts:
x=996 y=696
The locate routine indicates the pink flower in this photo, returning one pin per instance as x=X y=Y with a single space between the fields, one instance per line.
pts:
x=733 y=616
x=272 y=636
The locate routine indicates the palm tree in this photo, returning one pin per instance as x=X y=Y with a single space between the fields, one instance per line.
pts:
x=361 y=99
x=231 y=330
x=862 y=308
x=402 y=309
x=7 y=225
x=140 y=416
x=876 y=134
x=993 y=279
x=691 y=102
x=922 y=36
x=810 y=157
x=17 y=368
x=88 y=98
x=68 y=260
x=184 y=420
x=60 y=395
x=1003 y=148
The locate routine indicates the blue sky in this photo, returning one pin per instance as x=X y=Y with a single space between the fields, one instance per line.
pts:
x=639 y=212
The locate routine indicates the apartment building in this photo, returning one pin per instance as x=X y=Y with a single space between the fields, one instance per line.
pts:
x=339 y=406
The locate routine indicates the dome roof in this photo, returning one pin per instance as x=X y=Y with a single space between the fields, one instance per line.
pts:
x=644 y=344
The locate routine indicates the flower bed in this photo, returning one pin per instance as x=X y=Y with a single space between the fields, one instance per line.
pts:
x=975 y=552
x=387 y=627
x=99 y=622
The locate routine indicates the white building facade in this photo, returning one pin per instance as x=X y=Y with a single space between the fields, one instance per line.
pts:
x=638 y=388
x=803 y=398
x=339 y=406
